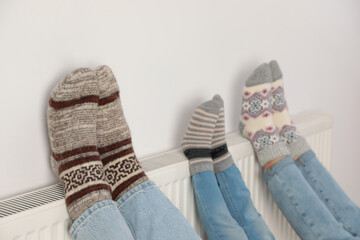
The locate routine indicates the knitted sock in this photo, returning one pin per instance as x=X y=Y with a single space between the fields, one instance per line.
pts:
x=72 y=114
x=288 y=133
x=199 y=133
x=256 y=122
x=219 y=151
x=121 y=167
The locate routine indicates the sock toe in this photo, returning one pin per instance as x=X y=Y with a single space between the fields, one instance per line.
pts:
x=275 y=70
x=262 y=74
x=79 y=86
x=107 y=81
x=218 y=99
x=212 y=106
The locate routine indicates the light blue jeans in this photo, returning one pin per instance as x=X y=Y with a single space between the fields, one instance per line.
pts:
x=307 y=214
x=142 y=213
x=214 y=214
x=327 y=189
x=240 y=205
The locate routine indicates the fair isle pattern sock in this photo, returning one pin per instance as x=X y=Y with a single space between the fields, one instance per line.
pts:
x=199 y=133
x=121 y=167
x=219 y=150
x=72 y=114
x=288 y=133
x=256 y=123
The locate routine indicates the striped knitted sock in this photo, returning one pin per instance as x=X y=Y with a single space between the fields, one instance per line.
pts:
x=122 y=169
x=75 y=159
x=219 y=151
x=288 y=133
x=197 y=140
x=256 y=122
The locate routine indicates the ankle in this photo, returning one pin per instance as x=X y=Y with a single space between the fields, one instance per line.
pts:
x=271 y=163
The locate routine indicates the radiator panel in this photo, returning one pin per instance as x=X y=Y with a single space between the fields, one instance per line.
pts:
x=42 y=215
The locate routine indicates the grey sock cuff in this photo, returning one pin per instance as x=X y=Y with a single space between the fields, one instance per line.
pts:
x=224 y=164
x=272 y=152
x=298 y=147
x=201 y=165
x=275 y=70
x=262 y=74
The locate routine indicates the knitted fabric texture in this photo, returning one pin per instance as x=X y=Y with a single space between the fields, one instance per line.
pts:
x=121 y=167
x=72 y=114
x=198 y=136
x=288 y=132
x=222 y=158
x=256 y=122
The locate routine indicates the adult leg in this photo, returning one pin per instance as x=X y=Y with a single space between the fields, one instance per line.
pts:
x=151 y=215
x=72 y=115
x=101 y=221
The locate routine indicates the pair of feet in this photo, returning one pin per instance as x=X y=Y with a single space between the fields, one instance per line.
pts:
x=264 y=120
x=204 y=142
x=90 y=140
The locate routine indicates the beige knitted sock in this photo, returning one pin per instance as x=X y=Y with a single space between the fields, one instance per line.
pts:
x=288 y=132
x=72 y=114
x=122 y=169
x=256 y=122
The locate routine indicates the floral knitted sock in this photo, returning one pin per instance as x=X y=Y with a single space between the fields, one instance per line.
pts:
x=72 y=114
x=199 y=133
x=256 y=122
x=288 y=133
x=122 y=169
x=219 y=150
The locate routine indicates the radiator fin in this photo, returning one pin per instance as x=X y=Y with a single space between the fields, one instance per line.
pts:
x=31 y=200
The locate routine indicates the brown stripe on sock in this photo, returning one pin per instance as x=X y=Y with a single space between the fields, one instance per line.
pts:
x=61 y=156
x=114 y=146
x=83 y=192
x=78 y=161
x=125 y=184
x=109 y=99
x=64 y=104
x=117 y=155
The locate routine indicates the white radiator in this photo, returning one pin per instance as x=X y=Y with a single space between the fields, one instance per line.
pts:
x=42 y=215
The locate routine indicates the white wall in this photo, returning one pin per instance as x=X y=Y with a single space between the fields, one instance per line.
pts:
x=168 y=57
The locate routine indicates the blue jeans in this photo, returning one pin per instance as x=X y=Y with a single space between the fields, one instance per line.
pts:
x=240 y=205
x=101 y=221
x=307 y=214
x=144 y=212
x=327 y=189
x=214 y=214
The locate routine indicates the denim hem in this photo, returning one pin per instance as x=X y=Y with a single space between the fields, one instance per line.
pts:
x=97 y=206
x=307 y=156
x=277 y=168
x=133 y=191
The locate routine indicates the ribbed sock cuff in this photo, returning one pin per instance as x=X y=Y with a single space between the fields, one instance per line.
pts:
x=201 y=165
x=298 y=147
x=272 y=152
x=223 y=163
